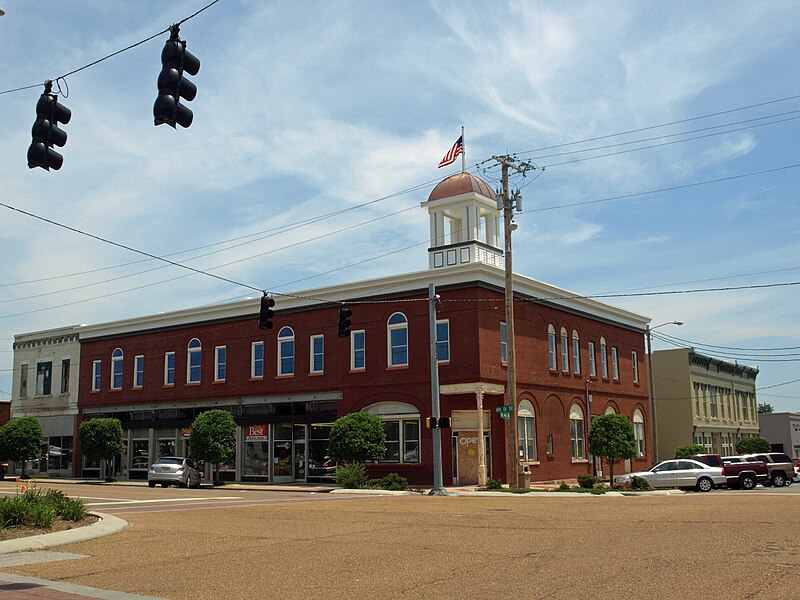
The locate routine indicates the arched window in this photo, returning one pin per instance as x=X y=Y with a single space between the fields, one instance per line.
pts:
x=610 y=410
x=603 y=359
x=526 y=431
x=576 y=432
x=116 y=369
x=401 y=425
x=638 y=432
x=551 y=344
x=576 y=352
x=195 y=350
x=397 y=340
x=286 y=351
x=564 y=351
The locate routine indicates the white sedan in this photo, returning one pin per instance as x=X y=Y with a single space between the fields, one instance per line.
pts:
x=680 y=473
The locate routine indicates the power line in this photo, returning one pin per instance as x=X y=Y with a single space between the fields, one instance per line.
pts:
x=93 y=63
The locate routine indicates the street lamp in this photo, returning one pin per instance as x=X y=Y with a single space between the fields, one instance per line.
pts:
x=647 y=330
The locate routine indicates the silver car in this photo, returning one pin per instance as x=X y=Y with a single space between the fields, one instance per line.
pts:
x=680 y=473
x=174 y=470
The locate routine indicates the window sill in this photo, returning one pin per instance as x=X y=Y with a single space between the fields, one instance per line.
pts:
x=316 y=374
x=285 y=376
x=218 y=381
x=396 y=367
x=531 y=463
x=168 y=385
x=577 y=461
x=190 y=383
x=257 y=378
x=364 y=370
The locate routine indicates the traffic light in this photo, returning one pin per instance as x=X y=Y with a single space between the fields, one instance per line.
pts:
x=344 y=322
x=172 y=85
x=437 y=422
x=266 y=313
x=444 y=423
x=45 y=131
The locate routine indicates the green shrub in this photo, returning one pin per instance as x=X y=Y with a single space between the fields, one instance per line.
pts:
x=351 y=476
x=563 y=486
x=639 y=483
x=687 y=450
x=493 y=484
x=587 y=481
x=392 y=482
x=69 y=509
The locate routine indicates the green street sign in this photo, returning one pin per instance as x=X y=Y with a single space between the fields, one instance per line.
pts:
x=505 y=411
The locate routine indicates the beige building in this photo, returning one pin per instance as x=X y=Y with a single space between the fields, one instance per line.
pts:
x=702 y=400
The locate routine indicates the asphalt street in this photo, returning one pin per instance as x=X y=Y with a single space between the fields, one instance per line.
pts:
x=240 y=543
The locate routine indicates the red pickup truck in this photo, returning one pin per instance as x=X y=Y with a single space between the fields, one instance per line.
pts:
x=739 y=471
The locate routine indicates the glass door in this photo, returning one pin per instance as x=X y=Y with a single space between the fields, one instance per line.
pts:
x=300 y=460
x=282 y=454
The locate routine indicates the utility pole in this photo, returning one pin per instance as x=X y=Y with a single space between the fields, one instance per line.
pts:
x=438 y=477
x=507 y=204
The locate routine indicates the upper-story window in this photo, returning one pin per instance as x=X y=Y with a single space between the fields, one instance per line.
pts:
x=635 y=363
x=443 y=341
x=603 y=359
x=97 y=366
x=317 y=354
x=286 y=351
x=193 y=365
x=65 y=375
x=169 y=368
x=358 y=354
x=23 y=380
x=564 y=351
x=503 y=342
x=615 y=362
x=220 y=363
x=257 y=360
x=592 y=360
x=397 y=338
x=44 y=378
x=116 y=369
x=551 y=347
x=576 y=352
x=138 y=371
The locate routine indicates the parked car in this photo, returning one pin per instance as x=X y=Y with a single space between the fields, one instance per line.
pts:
x=680 y=473
x=743 y=473
x=712 y=460
x=796 y=477
x=780 y=466
x=174 y=470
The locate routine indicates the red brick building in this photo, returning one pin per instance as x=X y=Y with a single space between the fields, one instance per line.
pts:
x=575 y=358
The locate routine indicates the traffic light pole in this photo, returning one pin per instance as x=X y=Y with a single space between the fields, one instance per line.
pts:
x=438 y=479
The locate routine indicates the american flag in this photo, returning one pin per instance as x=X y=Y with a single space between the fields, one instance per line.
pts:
x=452 y=154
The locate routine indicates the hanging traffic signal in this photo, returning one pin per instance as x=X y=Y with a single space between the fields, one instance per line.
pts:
x=46 y=133
x=266 y=313
x=344 y=322
x=172 y=85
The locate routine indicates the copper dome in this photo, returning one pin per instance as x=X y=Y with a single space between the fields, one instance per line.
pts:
x=461 y=183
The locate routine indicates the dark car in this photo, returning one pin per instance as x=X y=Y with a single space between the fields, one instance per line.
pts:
x=712 y=460
x=174 y=470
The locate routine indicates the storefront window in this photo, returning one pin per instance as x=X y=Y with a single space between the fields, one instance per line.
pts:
x=140 y=455
x=256 y=450
x=320 y=464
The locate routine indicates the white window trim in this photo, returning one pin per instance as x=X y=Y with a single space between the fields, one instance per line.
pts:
x=635 y=363
x=615 y=363
x=552 y=349
x=117 y=360
x=389 y=330
x=217 y=363
x=353 y=336
x=285 y=339
x=576 y=353
x=443 y=322
x=312 y=354
x=138 y=360
x=97 y=375
x=166 y=369
x=592 y=360
x=189 y=352
x=503 y=344
x=564 y=351
x=603 y=358
x=253 y=360
x=576 y=415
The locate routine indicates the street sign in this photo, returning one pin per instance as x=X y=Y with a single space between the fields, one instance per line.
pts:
x=505 y=411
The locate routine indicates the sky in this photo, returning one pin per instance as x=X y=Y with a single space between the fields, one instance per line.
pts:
x=664 y=136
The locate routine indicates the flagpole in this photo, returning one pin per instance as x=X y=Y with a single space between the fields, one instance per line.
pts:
x=463 y=152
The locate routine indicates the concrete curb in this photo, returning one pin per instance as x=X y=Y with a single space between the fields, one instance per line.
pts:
x=107 y=525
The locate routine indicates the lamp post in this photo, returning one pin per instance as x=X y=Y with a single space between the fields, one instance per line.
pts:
x=647 y=330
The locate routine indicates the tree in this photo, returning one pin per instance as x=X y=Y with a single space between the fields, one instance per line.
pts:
x=357 y=438
x=21 y=440
x=101 y=439
x=611 y=437
x=689 y=449
x=765 y=409
x=213 y=438
x=751 y=445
